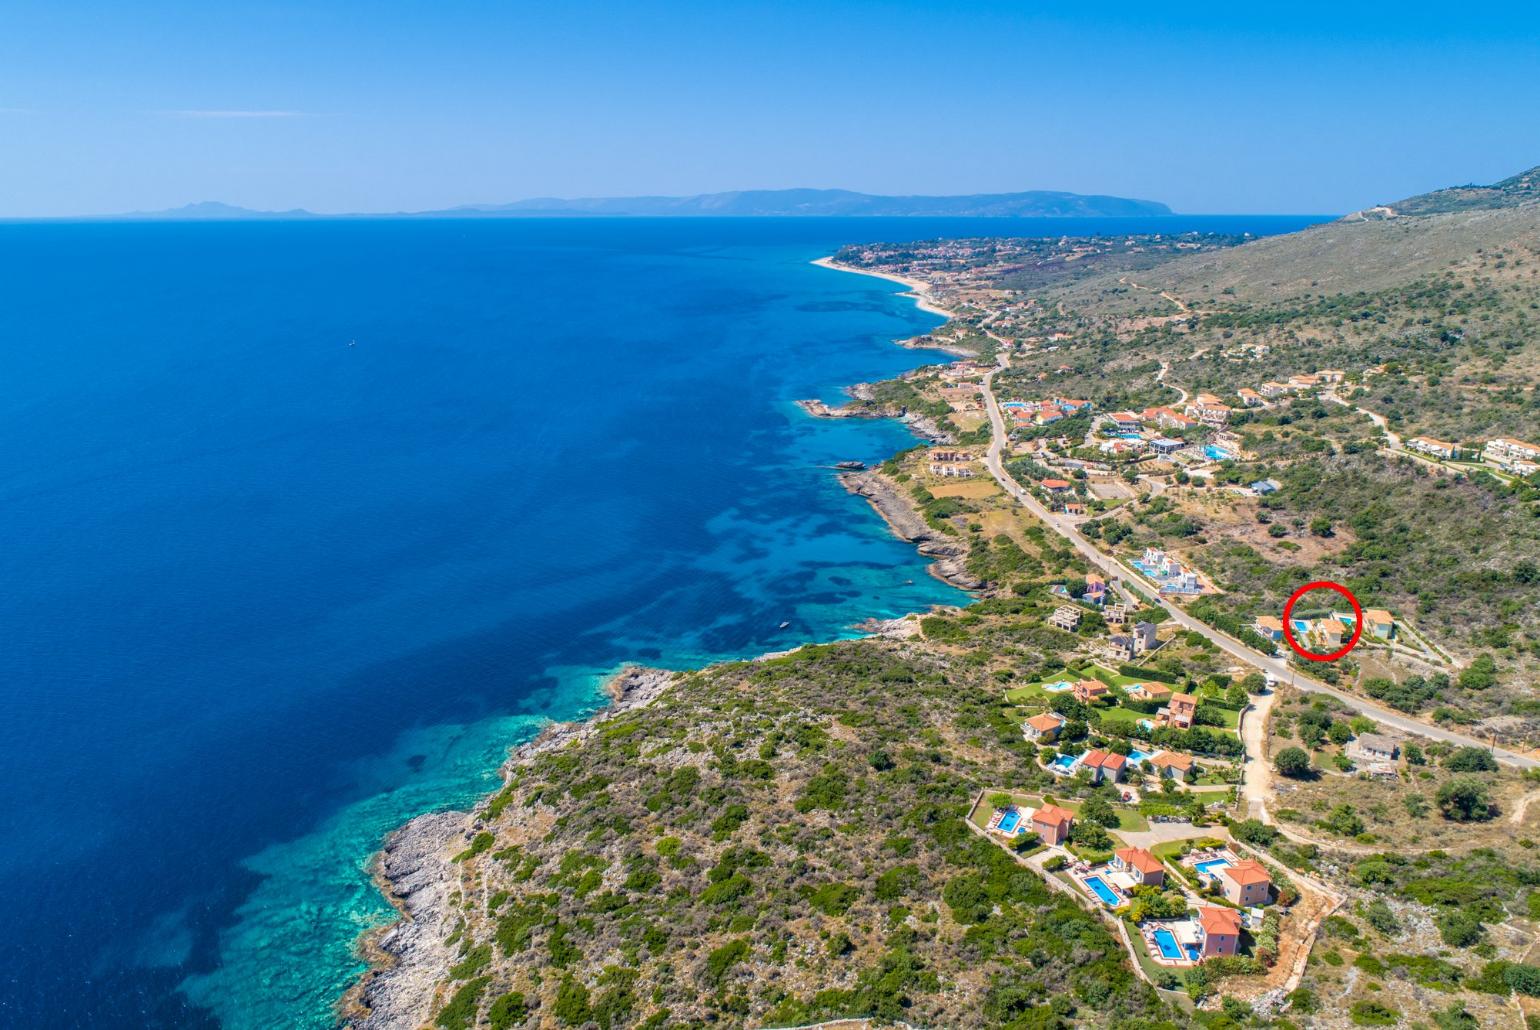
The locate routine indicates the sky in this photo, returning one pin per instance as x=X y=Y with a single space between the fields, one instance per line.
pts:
x=1305 y=108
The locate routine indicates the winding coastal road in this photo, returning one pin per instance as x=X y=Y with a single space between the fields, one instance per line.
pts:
x=1280 y=669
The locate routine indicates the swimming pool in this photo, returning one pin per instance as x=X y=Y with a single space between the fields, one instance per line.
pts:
x=1165 y=940
x=1009 y=820
x=1212 y=866
x=1141 y=756
x=1058 y=688
x=1216 y=453
x=1146 y=725
x=1064 y=763
x=1100 y=888
x=1299 y=625
x=1129 y=436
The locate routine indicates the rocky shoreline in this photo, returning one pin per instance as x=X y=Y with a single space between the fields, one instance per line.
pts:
x=906 y=522
x=416 y=872
x=921 y=425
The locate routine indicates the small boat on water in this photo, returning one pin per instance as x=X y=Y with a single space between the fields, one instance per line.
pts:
x=783 y=625
x=850 y=466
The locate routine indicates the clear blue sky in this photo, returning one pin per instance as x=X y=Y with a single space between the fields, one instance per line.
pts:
x=379 y=106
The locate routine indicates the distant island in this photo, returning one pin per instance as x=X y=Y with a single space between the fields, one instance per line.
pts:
x=737 y=204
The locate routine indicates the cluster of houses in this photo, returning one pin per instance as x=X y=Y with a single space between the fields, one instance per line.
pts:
x=953 y=464
x=1169 y=574
x=1328 y=631
x=1514 y=456
x=1305 y=383
x=1042 y=413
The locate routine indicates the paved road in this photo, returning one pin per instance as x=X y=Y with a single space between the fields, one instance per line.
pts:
x=1280 y=669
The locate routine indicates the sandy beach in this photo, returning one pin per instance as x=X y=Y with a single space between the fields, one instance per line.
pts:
x=919 y=291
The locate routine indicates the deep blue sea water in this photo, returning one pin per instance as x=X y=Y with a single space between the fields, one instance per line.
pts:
x=266 y=595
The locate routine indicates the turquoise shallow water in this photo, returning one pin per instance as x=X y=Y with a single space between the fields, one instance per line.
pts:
x=268 y=595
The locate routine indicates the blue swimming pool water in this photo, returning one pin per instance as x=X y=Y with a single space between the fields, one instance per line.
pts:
x=1100 y=888
x=1165 y=940
x=1129 y=436
x=1064 y=763
x=1212 y=866
x=1299 y=625
x=1009 y=820
x=1059 y=687
x=1217 y=453
x=1140 y=756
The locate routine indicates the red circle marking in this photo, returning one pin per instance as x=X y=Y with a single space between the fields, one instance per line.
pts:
x=1358 y=621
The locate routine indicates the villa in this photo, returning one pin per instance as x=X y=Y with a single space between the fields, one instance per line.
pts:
x=1379 y=623
x=1065 y=617
x=1249 y=397
x=1245 y=883
x=1144 y=868
x=1164 y=445
x=1220 y=931
x=1043 y=728
x=1057 y=486
x=1269 y=627
x=1116 y=614
x=1052 y=824
x=1180 y=712
x=1169 y=418
x=1074 y=508
x=1126 y=421
x=1210 y=412
x=1428 y=445
x=1304 y=383
x=1090 y=691
x=1330 y=375
x=1123 y=645
x=1104 y=765
x=1273 y=390
x=1145 y=637
x=1095 y=587
x=1327 y=632
x=1157 y=692
x=953 y=471
x=1173 y=764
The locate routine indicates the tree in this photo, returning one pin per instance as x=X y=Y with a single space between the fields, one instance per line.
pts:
x=1254 y=683
x=1293 y=762
x=1470 y=759
x=1321 y=526
x=1340 y=733
x=1097 y=810
x=1464 y=799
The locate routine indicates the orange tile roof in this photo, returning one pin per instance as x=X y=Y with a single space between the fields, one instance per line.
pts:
x=1055 y=484
x=1218 y=920
x=1378 y=615
x=1100 y=759
x=1044 y=722
x=1246 y=873
x=1173 y=760
x=1140 y=859
x=1052 y=815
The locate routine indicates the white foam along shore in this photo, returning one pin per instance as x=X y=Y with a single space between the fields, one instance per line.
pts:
x=919 y=292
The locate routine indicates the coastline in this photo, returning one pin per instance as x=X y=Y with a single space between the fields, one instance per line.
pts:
x=417 y=873
x=415 y=870
x=920 y=292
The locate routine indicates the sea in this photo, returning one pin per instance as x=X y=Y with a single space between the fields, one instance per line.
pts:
x=304 y=524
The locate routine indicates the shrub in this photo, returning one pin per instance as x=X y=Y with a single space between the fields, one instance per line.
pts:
x=1470 y=759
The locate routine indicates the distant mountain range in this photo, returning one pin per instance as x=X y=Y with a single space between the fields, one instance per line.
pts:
x=742 y=204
